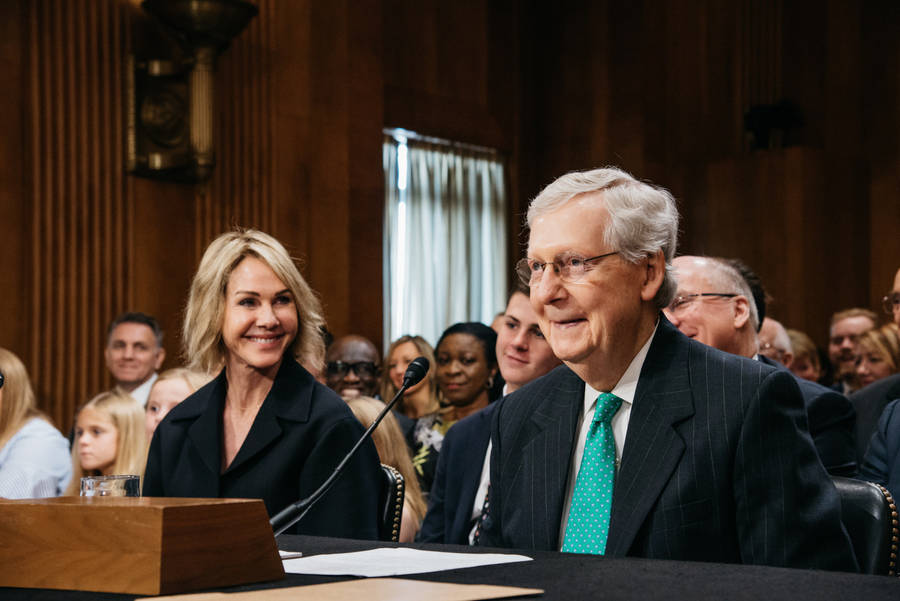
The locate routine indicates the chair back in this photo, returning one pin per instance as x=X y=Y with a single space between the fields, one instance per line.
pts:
x=869 y=514
x=390 y=510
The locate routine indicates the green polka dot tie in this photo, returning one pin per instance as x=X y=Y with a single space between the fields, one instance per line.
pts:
x=588 y=523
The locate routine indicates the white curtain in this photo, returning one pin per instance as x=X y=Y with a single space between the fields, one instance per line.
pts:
x=444 y=237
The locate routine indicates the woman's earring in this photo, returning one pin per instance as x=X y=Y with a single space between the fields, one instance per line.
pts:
x=490 y=382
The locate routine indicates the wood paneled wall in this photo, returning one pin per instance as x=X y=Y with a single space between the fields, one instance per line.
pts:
x=78 y=212
x=659 y=88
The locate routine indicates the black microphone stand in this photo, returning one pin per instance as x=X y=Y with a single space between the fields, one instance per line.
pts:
x=294 y=512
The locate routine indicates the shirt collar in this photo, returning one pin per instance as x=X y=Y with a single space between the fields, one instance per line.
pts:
x=627 y=384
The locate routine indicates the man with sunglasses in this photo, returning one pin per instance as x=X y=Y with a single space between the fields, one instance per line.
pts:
x=646 y=443
x=352 y=366
x=714 y=305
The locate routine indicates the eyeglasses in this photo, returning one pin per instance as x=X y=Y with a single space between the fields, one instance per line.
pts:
x=891 y=302
x=683 y=301
x=569 y=267
x=363 y=369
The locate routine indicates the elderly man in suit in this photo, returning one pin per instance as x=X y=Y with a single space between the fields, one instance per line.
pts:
x=646 y=443
x=727 y=320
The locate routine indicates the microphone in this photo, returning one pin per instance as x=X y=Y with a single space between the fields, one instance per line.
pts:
x=294 y=512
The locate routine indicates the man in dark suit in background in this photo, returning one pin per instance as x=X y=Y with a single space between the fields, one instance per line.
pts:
x=646 y=443
x=729 y=323
x=460 y=487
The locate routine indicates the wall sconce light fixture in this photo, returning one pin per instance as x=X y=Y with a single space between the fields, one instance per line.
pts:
x=170 y=102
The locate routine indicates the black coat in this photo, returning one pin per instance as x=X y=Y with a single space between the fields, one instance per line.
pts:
x=300 y=434
x=718 y=465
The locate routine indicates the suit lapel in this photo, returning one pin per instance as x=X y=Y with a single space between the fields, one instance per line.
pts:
x=547 y=450
x=205 y=435
x=474 y=458
x=290 y=399
x=652 y=446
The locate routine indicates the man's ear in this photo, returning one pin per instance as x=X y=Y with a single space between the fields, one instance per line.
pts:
x=741 y=311
x=160 y=358
x=654 y=273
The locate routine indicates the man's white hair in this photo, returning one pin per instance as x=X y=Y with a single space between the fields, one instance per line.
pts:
x=643 y=219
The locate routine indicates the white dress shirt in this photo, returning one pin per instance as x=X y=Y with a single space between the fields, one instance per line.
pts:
x=624 y=389
x=142 y=392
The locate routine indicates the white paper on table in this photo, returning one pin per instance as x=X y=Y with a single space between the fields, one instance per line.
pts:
x=393 y=562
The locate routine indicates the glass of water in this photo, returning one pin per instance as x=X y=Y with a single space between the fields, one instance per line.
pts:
x=111 y=486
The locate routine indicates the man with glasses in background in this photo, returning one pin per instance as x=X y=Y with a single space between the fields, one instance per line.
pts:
x=870 y=401
x=352 y=366
x=714 y=305
x=646 y=443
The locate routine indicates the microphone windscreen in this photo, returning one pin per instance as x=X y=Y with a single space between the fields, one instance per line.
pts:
x=416 y=371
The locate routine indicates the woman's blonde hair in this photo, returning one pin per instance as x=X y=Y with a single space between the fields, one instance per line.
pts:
x=803 y=346
x=195 y=379
x=885 y=342
x=127 y=416
x=387 y=388
x=204 y=349
x=391 y=446
x=18 y=404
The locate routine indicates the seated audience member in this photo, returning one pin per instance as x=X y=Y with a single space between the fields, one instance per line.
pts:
x=882 y=460
x=419 y=400
x=879 y=354
x=134 y=352
x=775 y=343
x=171 y=387
x=352 y=366
x=463 y=471
x=109 y=438
x=34 y=456
x=870 y=401
x=647 y=443
x=392 y=451
x=805 y=363
x=264 y=428
x=466 y=372
x=713 y=305
x=846 y=328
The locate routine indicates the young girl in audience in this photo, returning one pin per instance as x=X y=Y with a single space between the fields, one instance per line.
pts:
x=171 y=387
x=109 y=438
x=393 y=451
x=34 y=456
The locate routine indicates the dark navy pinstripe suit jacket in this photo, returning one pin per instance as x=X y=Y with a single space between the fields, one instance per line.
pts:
x=718 y=465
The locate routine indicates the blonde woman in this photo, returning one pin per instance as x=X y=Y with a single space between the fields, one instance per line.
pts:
x=170 y=388
x=34 y=456
x=109 y=438
x=878 y=354
x=419 y=400
x=393 y=451
x=264 y=427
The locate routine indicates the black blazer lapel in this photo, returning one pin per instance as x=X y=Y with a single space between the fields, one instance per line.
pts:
x=652 y=446
x=290 y=398
x=205 y=436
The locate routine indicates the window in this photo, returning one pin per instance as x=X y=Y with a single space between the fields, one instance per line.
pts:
x=444 y=235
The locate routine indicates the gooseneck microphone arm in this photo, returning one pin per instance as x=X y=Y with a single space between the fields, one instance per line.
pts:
x=294 y=512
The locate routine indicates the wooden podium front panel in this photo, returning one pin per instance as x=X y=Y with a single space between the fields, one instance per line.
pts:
x=139 y=545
